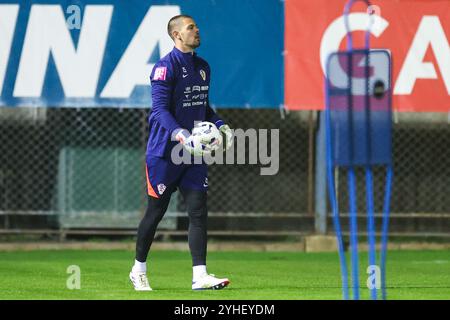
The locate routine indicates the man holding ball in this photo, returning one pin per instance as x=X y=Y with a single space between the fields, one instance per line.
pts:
x=180 y=88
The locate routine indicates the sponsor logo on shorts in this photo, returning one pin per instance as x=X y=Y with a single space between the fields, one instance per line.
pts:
x=161 y=188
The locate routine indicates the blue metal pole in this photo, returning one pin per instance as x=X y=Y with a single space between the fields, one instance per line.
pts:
x=334 y=205
x=320 y=219
x=353 y=233
x=371 y=225
x=384 y=232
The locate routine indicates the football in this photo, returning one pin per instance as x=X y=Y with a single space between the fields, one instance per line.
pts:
x=207 y=137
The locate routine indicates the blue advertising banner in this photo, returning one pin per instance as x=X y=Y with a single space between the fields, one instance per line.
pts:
x=100 y=53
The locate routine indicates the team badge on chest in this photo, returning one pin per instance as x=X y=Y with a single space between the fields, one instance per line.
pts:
x=203 y=74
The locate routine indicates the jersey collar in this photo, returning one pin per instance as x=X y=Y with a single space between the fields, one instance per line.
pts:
x=184 y=54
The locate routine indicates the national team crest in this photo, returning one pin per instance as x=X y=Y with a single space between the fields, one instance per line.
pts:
x=161 y=188
x=203 y=74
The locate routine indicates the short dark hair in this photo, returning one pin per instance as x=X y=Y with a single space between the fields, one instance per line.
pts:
x=174 y=21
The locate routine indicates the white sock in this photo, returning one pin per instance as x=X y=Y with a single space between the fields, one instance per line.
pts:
x=139 y=266
x=198 y=271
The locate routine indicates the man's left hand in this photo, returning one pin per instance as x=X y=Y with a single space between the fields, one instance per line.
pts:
x=228 y=134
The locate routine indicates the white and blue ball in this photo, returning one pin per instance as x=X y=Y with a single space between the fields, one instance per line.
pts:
x=206 y=137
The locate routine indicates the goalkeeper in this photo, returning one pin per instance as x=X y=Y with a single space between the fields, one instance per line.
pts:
x=180 y=89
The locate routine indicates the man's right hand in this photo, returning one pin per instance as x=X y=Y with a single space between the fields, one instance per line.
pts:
x=182 y=135
x=185 y=138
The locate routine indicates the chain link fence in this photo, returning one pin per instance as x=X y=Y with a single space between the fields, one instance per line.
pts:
x=64 y=168
x=78 y=166
x=420 y=205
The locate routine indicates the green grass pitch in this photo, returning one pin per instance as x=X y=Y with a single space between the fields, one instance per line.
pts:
x=253 y=275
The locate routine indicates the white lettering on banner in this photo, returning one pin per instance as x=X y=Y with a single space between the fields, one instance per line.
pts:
x=429 y=33
x=8 y=17
x=336 y=31
x=79 y=67
x=133 y=68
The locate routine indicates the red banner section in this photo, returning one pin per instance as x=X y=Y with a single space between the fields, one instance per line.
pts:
x=417 y=33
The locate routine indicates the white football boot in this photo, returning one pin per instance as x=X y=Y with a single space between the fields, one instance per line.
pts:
x=209 y=281
x=140 y=281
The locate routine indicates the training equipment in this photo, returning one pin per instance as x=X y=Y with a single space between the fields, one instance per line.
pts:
x=140 y=281
x=209 y=282
x=205 y=138
x=358 y=134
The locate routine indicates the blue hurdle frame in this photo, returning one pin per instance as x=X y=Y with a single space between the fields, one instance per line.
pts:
x=331 y=166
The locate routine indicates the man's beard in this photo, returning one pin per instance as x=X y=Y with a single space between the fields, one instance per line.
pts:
x=195 y=45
